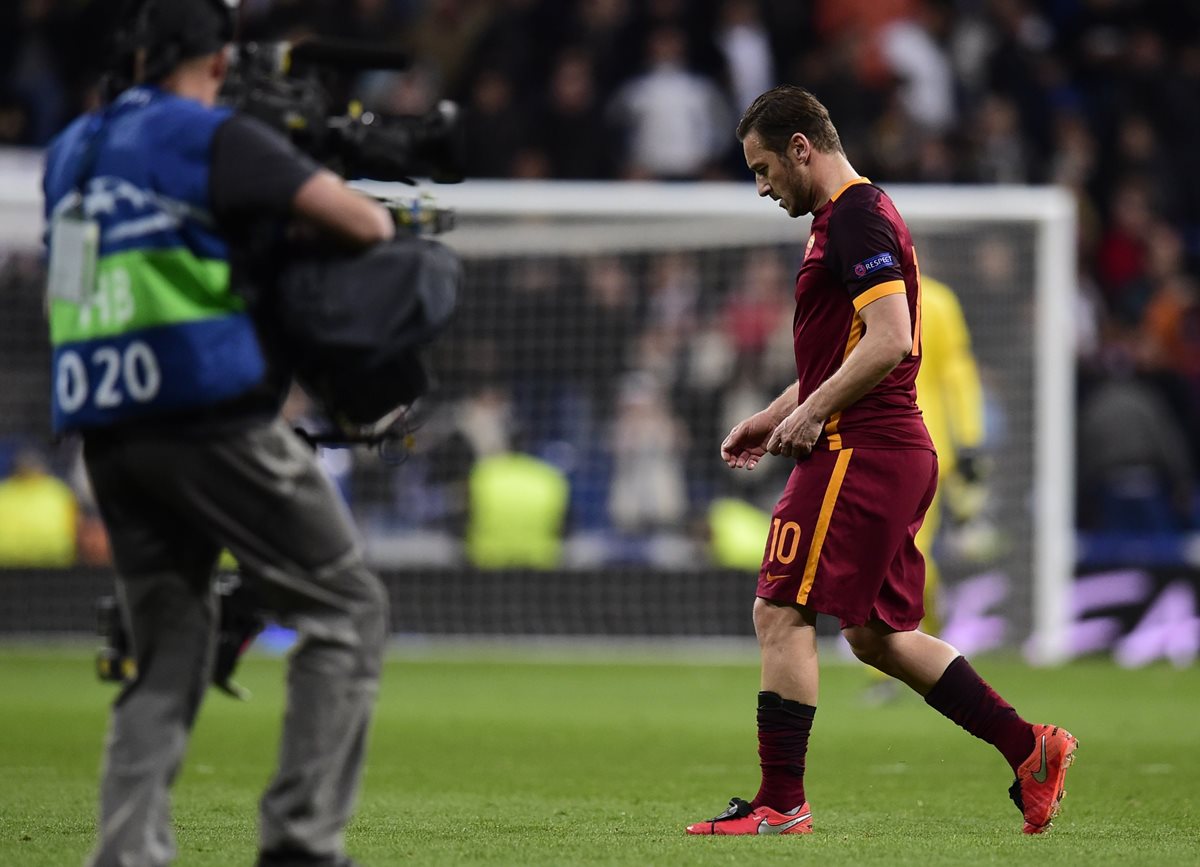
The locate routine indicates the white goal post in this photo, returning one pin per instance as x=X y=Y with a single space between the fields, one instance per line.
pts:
x=560 y=213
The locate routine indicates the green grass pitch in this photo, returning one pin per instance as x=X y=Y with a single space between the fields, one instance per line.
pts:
x=524 y=758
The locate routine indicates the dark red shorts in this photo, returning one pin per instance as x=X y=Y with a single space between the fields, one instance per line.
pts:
x=842 y=538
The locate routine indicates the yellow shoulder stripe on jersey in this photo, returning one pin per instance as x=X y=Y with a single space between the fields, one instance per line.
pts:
x=848 y=185
x=891 y=287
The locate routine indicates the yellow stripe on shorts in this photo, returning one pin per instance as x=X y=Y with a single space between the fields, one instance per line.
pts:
x=818 y=539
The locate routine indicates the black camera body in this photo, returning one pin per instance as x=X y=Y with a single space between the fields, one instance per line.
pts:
x=281 y=84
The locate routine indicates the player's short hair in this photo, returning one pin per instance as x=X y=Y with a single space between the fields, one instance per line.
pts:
x=785 y=110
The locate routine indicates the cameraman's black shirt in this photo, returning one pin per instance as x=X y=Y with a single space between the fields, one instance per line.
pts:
x=255 y=175
x=256 y=172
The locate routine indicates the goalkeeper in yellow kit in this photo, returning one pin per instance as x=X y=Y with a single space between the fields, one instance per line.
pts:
x=950 y=396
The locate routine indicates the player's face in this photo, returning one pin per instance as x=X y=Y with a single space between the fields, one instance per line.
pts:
x=782 y=177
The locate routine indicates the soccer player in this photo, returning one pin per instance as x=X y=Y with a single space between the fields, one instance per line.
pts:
x=842 y=535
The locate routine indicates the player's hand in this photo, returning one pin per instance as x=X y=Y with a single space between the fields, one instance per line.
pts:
x=795 y=436
x=746 y=443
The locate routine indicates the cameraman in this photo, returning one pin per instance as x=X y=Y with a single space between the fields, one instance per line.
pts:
x=163 y=360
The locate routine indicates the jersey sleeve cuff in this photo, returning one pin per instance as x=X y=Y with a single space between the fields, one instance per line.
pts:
x=891 y=287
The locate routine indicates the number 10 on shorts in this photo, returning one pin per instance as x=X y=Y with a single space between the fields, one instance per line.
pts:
x=785 y=542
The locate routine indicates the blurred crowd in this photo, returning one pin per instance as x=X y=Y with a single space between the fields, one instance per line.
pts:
x=1097 y=96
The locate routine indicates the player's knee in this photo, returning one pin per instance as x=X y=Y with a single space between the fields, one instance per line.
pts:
x=867 y=645
x=764 y=617
x=774 y=622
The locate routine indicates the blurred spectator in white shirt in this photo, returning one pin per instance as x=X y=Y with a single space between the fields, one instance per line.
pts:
x=745 y=43
x=676 y=122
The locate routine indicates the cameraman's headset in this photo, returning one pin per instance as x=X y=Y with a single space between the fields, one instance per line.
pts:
x=161 y=33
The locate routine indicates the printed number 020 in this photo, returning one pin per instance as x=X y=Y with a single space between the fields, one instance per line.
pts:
x=133 y=372
x=785 y=541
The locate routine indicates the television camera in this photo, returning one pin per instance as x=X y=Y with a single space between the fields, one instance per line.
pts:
x=285 y=86
x=288 y=87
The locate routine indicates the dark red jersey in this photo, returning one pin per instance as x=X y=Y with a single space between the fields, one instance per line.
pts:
x=860 y=250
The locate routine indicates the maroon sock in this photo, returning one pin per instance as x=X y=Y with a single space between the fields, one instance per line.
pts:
x=783 y=729
x=964 y=697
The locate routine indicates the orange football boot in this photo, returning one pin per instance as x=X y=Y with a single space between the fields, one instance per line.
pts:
x=1038 y=788
x=741 y=818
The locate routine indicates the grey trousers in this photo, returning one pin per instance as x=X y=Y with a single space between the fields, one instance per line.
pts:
x=170 y=506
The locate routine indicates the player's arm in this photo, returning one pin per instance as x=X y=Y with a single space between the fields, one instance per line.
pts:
x=863 y=251
x=746 y=443
x=886 y=341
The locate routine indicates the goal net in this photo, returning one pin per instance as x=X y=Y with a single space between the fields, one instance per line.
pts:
x=626 y=327
x=564 y=478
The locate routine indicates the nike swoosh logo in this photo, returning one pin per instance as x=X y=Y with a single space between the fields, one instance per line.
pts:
x=770 y=577
x=1039 y=776
x=765 y=826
